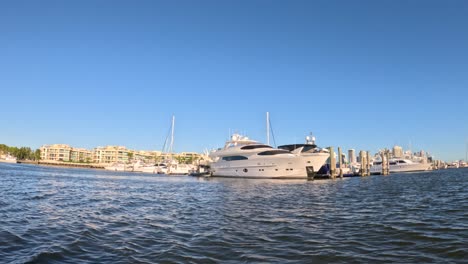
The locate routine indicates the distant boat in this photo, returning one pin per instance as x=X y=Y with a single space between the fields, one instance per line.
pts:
x=116 y=167
x=173 y=167
x=454 y=165
x=9 y=159
x=400 y=165
x=158 y=168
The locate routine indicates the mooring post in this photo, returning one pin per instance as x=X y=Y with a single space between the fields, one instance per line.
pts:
x=385 y=165
x=332 y=163
x=363 y=163
x=368 y=162
x=340 y=162
x=382 y=156
x=387 y=156
x=387 y=162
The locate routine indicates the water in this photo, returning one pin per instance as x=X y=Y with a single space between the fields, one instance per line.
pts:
x=59 y=215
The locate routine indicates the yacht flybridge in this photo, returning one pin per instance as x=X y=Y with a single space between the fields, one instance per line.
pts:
x=243 y=157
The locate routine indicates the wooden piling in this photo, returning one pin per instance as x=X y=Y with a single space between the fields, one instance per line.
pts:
x=332 y=163
x=388 y=161
x=368 y=163
x=385 y=168
x=363 y=163
x=340 y=162
x=382 y=157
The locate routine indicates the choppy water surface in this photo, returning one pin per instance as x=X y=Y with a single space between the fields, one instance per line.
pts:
x=62 y=215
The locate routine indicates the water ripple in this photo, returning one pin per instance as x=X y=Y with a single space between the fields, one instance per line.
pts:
x=57 y=215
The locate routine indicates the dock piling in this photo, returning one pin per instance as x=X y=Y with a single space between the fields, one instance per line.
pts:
x=332 y=163
x=383 y=154
x=368 y=163
x=363 y=163
x=340 y=162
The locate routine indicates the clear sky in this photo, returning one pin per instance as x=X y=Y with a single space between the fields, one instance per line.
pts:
x=358 y=74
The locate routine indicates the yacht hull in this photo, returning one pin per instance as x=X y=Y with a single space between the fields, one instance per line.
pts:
x=284 y=167
x=399 y=168
x=9 y=161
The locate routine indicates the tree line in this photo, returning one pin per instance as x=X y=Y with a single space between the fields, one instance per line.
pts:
x=22 y=153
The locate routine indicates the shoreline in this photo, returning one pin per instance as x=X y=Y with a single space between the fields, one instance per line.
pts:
x=62 y=164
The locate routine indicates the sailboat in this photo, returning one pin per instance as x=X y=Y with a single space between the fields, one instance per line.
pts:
x=173 y=167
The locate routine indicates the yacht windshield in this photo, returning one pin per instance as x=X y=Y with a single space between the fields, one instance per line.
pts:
x=273 y=152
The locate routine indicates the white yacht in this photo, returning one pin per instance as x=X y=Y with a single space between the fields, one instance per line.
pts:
x=454 y=165
x=243 y=157
x=116 y=167
x=151 y=168
x=8 y=159
x=175 y=168
x=400 y=165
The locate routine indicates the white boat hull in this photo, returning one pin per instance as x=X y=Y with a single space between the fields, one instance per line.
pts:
x=399 y=168
x=148 y=169
x=8 y=160
x=178 y=169
x=115 y=168
x=283 y=166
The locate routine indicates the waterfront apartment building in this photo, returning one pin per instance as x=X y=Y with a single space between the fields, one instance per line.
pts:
x=56 y=152
x=63 y=152
x=81 y=155
x=147 y=156
x=111 y=154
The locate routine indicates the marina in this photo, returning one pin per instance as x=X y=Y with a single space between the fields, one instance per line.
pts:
x=307 y=132
x=242 y=157
x=247 y=158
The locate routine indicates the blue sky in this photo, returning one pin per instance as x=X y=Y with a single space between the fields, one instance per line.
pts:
x=358 y=74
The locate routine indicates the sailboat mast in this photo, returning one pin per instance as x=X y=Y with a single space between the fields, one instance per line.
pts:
x=268 y=127
x=172 y=135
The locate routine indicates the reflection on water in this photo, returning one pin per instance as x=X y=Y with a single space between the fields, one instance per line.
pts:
x=79 y=215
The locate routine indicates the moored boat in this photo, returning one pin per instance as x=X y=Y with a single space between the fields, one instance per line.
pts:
x=243 y=157
x=9 y=159
x=400 y=165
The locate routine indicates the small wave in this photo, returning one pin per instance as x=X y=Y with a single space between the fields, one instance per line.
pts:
x=47 y=257
x=9 y=238
x=42 y=196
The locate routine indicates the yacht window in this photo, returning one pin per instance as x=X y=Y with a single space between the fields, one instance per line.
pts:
x=401 y=161
x=229 y=158
x=377 y=163
x=255 y=146
x=392 y=163
x=273 y=152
